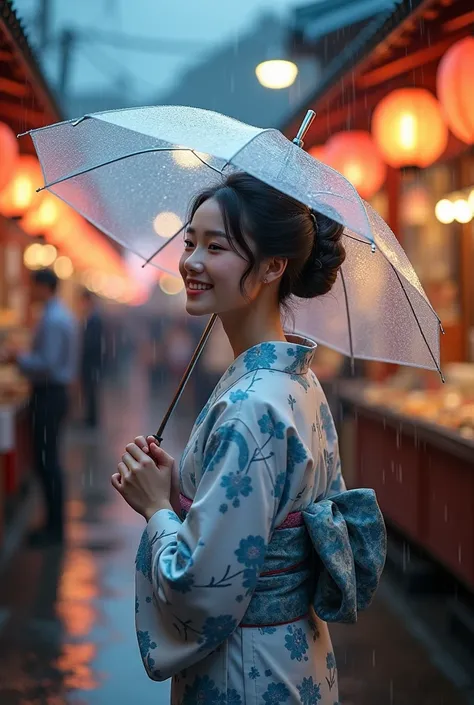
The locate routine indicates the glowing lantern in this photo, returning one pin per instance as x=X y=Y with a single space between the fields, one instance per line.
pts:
x=454 y=88
x=18 y=195
x=8 y=152
x=409 y=129
x=355 y=155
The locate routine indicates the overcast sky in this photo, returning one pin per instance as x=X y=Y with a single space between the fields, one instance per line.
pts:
x=96 y=66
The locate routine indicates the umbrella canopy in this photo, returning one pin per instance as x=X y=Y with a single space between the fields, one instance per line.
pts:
x=132 y=173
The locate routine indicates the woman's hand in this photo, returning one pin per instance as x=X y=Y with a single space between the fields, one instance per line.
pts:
x=144 y=444
x=144 y=479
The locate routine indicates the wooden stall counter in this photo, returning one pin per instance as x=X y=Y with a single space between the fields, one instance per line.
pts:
x=422 y=471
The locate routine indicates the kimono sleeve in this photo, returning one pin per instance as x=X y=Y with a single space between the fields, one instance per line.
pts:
x=195 y=578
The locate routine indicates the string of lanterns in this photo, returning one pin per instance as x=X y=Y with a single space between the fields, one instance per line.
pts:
x=71 y=243
x=409 y=128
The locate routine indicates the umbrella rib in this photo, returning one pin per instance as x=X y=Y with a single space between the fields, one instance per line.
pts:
x=356 y=239
x=351 y=346
x=118 y=159
x=166 y=243
x=418 y=324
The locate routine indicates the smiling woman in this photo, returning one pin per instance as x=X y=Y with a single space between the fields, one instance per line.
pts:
x=216 y=605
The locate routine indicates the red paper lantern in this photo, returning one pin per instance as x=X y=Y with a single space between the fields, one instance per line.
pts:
x=454 y=84
x=409 y=129
x=355 y=155
x=8 y=152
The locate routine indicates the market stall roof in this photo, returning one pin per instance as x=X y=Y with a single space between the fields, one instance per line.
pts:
x=377 y=48
x=25 y=98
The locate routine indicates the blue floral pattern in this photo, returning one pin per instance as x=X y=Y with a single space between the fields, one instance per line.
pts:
x=296 y=642
x=296 y=453
x=260 y=356
x=310 y=692
x=236 y=484
x=251 y=551
x=275 y=694
x=228 y=569
x=269 y=425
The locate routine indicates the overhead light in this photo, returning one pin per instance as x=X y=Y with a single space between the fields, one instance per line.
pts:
x=276 y=73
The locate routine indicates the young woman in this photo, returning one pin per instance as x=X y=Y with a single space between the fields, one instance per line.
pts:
x=228 y=580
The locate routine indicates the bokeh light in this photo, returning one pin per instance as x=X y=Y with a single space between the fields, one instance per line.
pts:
x=444 y=211
x=63 y=267
x=171 y=285
x=167 y=224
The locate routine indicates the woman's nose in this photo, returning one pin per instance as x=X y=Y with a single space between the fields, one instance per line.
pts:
x=193 y=263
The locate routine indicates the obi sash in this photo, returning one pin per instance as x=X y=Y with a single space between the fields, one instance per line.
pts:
x=329 y=556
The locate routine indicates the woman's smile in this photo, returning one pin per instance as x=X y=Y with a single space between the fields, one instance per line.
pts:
x=195 y=287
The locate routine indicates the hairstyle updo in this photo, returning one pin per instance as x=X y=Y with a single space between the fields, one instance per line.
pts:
x=280 y=226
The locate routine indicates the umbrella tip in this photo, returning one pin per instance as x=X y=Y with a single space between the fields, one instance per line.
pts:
x=305 y=125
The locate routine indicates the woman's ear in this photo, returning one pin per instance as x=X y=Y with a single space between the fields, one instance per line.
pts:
x=274 y=269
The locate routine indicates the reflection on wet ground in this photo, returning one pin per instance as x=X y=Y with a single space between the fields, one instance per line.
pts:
x=67 y=616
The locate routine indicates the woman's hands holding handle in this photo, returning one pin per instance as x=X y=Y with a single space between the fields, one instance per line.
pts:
x=147 y=478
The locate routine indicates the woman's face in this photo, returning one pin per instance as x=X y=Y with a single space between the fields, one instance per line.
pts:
x=210 y=268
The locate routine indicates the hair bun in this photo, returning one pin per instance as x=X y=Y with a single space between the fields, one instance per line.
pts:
x=327 y=255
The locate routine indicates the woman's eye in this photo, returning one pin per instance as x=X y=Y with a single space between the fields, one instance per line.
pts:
x=214 y=247
x=188 y=243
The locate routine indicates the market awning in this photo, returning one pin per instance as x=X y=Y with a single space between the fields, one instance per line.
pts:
x=26 y=101
x=368 y=49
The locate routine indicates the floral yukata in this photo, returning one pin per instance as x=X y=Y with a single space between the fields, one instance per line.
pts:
x=233 y=596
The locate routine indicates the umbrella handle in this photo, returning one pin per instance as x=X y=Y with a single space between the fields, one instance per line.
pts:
x=189 y=369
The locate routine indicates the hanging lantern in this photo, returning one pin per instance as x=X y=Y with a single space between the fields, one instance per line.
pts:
x=454 y=88
x=8 y=152
x=17 y=196
x=409 y=129
x=355 y=155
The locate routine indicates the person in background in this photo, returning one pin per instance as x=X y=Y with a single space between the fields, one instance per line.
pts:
x=51 y=367
x=92 y=358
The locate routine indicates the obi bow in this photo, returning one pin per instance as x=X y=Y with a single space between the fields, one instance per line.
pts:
x=348 y=534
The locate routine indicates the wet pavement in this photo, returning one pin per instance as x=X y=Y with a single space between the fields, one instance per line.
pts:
x=67 y=616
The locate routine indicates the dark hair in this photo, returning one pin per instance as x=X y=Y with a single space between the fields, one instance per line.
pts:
x=46 y=277
x=280 y=226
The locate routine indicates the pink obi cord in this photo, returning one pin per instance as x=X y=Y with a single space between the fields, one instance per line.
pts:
x=291 y=522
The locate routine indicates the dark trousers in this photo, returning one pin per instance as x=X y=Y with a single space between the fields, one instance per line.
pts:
x=49 y=405
x=90 y=390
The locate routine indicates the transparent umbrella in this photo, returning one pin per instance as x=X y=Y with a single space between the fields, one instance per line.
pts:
x=132 y=173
